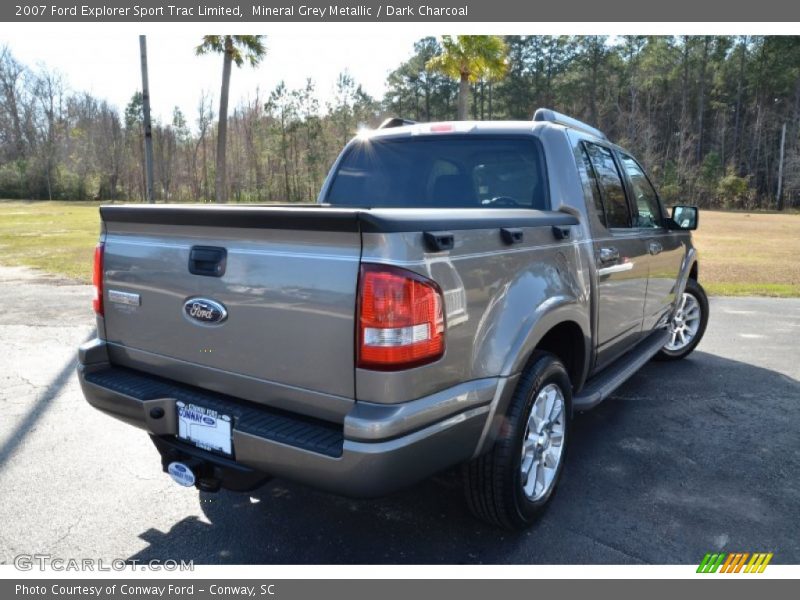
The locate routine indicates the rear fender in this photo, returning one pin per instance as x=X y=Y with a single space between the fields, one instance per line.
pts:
x=554 y=311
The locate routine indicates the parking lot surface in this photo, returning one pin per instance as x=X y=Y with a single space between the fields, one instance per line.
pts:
x=686 y=458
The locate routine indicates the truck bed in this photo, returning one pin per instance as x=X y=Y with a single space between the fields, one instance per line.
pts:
x=289 y=287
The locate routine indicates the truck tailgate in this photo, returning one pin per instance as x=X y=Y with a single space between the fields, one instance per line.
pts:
x=289 y=293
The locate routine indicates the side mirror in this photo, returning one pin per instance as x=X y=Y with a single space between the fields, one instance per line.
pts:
x=684 y=217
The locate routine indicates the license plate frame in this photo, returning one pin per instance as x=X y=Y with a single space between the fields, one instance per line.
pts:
x=204 y=428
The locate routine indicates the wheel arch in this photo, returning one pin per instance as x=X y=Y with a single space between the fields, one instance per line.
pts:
x=563 y=331
x=566 y=341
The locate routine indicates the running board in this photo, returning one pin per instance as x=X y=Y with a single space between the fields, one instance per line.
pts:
x=603 y=385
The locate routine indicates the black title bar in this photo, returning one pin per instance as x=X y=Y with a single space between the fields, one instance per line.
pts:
x=732 y=588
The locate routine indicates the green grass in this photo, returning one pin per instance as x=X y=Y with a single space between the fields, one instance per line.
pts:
x=749 y=254
x=741 y=254
x=772 y=290
x=56 y=237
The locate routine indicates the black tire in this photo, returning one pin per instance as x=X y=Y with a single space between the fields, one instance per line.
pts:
x=696 y=290
x=492 y=481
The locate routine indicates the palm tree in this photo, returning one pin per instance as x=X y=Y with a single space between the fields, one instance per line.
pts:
x=469 y=58
x=235 y=49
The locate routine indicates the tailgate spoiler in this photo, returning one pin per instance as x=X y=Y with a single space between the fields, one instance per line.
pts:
x=321 y=217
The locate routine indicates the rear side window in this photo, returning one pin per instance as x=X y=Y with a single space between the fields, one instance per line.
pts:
x=618 y=213
x=441 y=172
x=586 y=167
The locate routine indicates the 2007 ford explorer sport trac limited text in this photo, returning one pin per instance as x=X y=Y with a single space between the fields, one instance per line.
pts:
x=458 y=292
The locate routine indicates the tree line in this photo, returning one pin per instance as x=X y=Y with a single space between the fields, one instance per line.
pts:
x=706 y=114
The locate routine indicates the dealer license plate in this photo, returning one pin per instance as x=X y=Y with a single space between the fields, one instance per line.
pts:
x=204 y=427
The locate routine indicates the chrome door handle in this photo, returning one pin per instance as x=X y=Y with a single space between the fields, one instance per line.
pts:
x=655 y=248
x=608 y=255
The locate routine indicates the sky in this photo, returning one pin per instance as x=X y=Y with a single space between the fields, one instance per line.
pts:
x=107 y=64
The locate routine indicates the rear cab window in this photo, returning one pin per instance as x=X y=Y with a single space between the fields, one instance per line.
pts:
x=472 y=171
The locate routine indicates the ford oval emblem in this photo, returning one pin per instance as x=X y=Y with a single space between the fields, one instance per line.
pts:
x=209 y=421
x=205 y=311
x=181 y=474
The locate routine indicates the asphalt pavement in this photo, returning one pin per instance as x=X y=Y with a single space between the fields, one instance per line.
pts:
x=686 y=458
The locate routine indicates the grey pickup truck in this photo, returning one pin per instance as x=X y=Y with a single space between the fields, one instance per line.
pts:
x=460 y=290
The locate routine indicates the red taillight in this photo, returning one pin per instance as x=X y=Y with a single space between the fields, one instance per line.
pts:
x=400 y=320
x=97 y=279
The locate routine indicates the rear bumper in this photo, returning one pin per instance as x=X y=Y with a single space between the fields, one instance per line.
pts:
x=378 y=449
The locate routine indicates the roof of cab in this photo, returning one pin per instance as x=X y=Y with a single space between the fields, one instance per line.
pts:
x=452 y=127
x=542 y=119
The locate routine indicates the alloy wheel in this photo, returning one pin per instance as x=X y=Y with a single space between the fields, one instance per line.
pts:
x=543 y=444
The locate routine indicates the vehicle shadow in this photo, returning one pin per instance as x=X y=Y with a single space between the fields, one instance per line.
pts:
x=686 y=458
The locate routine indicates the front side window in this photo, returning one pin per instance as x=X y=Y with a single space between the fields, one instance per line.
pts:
x=618 y=213
x=445 y=172
x=646 y=197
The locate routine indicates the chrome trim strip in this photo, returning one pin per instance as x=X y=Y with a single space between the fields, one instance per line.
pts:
x=615 y=269
x=126 y=298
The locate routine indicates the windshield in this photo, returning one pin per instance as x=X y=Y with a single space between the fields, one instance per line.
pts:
x=445 y=172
